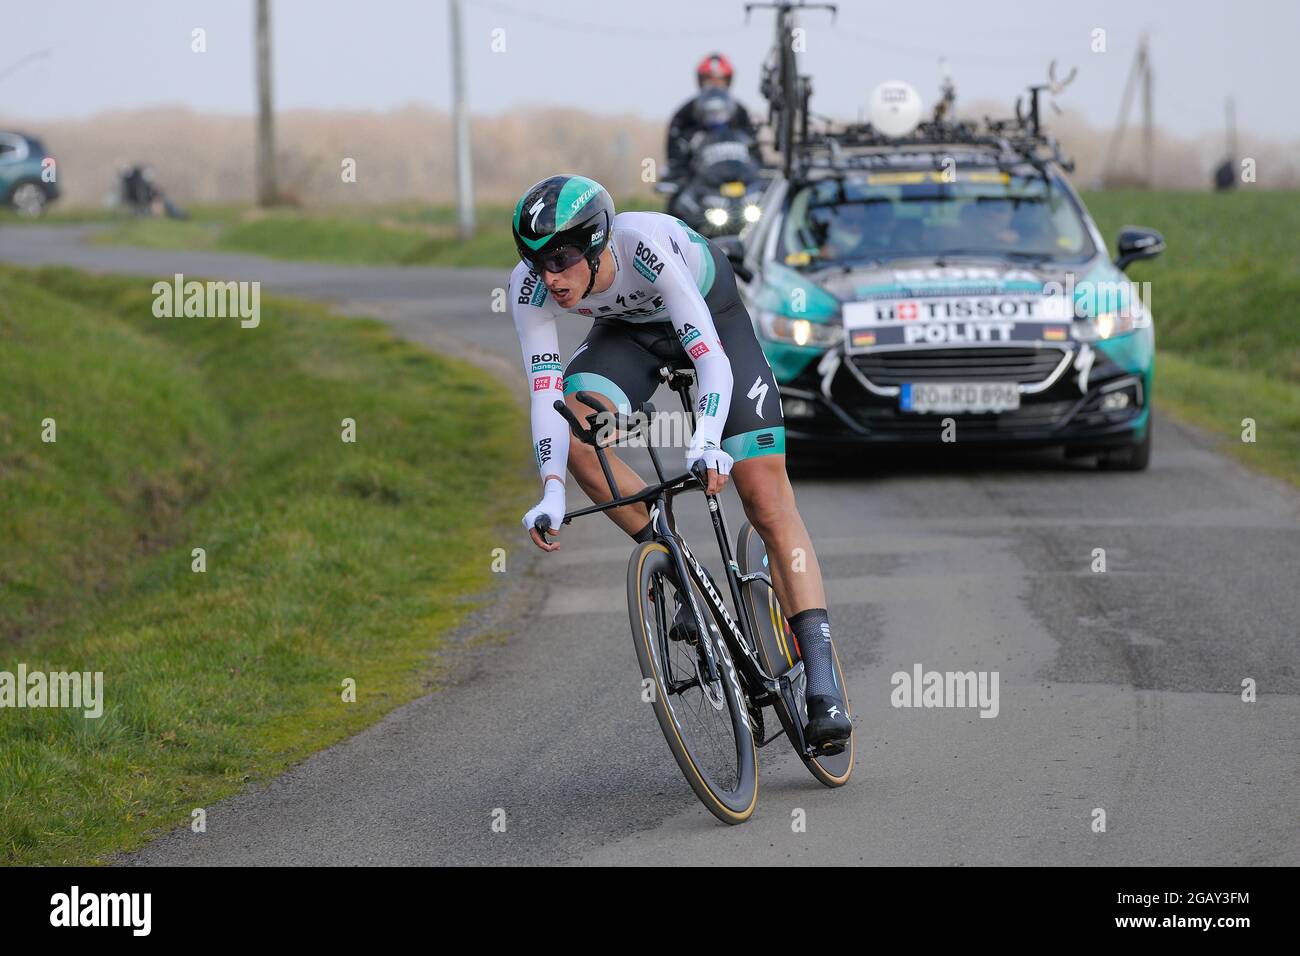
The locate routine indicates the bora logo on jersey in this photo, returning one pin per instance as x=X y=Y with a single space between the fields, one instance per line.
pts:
x=647 y=262
x=548 y=362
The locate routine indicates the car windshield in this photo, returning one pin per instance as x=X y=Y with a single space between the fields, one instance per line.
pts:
x=873 y=217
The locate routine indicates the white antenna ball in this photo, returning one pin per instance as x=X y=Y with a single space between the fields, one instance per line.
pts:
x=895 y=108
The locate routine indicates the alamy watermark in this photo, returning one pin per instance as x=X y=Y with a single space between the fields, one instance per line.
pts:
x=670 y=429
x=923 y=688
x=78 y=690
x=75 y=908
x=208 y=300
x=1090 y=299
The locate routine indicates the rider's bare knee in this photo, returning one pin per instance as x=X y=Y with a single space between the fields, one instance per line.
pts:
x=766 y=510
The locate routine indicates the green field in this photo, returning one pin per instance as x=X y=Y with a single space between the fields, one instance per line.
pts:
x=1224 y=296
x=406 y=235
x=326 y=560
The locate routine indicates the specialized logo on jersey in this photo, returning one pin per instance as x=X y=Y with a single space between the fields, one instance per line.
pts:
x=531 y=292
x=647 y=263
x=709 y=404
x=759 y=391
x=677 y=250
x=548 y=362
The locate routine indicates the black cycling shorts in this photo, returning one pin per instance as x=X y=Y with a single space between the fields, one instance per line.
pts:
x=618 y=356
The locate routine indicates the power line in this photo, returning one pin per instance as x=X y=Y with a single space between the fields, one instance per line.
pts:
x=602 y=29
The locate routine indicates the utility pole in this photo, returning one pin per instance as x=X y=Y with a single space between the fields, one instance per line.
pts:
x=1231 y=108
x=267 y=194
x=1140 y=72
x=460 y=123
x=1148 y=123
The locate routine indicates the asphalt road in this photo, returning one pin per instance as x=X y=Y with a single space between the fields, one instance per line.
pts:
x=1117 y=690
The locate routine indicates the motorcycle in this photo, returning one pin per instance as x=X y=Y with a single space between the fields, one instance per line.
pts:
x=721 y=193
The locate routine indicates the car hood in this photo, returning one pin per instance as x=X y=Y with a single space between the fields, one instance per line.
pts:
x=918 y=303
x=915 y=278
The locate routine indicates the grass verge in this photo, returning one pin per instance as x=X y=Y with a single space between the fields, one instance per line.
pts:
x=1227 y=328
x=325 y=560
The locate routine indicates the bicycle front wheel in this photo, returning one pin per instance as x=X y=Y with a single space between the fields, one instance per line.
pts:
x=705 y=721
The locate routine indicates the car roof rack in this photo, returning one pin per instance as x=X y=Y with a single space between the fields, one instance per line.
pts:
x=1003 y=143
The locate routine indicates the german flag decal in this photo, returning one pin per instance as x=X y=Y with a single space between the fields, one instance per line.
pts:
x=1055 y=333
x=863 y=337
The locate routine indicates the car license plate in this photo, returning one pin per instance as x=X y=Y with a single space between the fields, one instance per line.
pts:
x=968 y=397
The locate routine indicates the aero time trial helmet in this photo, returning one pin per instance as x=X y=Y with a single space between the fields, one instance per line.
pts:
x=561 y=221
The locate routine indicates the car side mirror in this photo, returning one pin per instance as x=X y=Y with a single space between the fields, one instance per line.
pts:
x=734 y=250
x=1137 y=242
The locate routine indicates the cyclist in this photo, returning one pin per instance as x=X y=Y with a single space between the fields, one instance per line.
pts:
x=660 y=294
x=713 y=73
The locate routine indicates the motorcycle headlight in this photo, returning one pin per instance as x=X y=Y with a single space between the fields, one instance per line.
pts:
x=716 y=216
x=796 y=331
x=752 y=212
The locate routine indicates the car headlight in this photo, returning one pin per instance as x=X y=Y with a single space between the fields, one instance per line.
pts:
x=716 y=216
x=795 y=331
x=752 y=212
x=1112 y=322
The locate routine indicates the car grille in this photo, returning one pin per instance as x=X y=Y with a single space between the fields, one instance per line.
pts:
x=1023 y=364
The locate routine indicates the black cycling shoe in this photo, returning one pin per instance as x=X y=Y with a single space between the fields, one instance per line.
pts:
x=828 y=728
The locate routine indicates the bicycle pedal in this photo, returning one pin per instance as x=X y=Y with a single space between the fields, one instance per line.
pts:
x=828 y=749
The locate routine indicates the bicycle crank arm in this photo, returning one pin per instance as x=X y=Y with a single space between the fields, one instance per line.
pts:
x=789 y=693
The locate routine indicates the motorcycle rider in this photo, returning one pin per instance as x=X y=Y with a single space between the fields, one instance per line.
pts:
x=714 y=72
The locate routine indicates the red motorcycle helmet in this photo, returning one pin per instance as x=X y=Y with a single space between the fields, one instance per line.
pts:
x=714 y=66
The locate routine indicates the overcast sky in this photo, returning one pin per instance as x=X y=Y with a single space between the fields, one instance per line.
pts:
x=639 y=56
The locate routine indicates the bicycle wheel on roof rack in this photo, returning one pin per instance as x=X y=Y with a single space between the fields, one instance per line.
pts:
x=779 y=651
x=789 y=102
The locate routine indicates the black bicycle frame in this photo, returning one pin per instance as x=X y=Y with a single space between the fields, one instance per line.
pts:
x=763 y=686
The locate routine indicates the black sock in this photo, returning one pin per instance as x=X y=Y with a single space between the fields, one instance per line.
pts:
x=812 y=629
x=645 y=534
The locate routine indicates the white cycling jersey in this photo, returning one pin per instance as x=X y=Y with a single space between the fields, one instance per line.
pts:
x=662 y=271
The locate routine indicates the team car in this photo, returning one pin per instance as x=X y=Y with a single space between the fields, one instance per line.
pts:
x=948 y=285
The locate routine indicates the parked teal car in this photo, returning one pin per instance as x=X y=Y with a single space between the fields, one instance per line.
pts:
x=24 y=183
